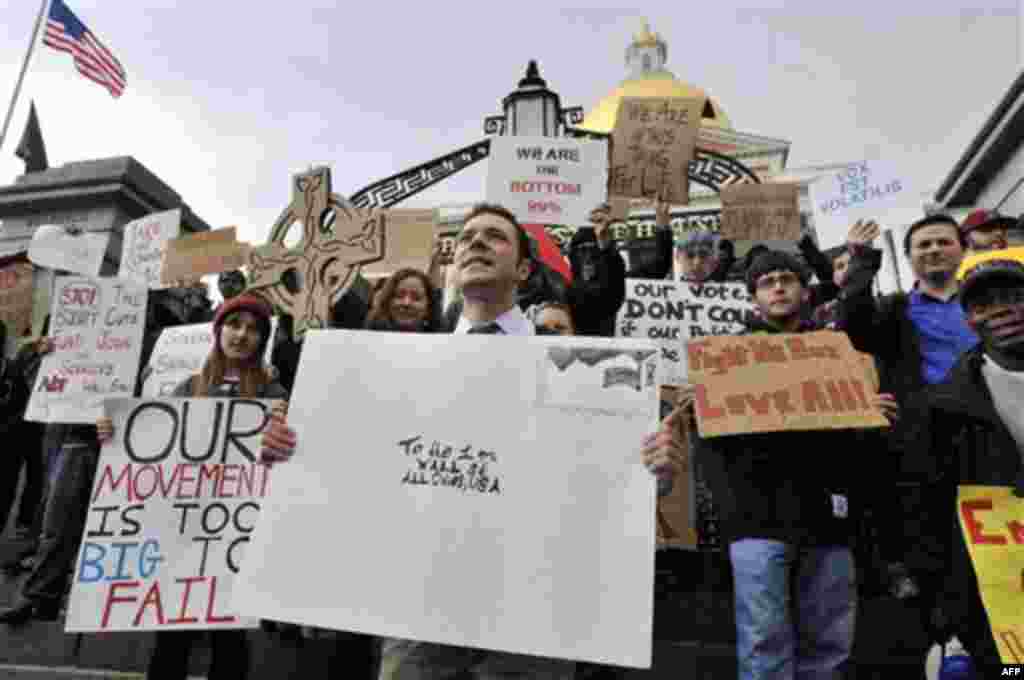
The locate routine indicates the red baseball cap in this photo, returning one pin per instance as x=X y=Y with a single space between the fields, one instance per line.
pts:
x=986 y=219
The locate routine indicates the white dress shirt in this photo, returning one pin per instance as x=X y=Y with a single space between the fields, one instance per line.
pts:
x=512 y=322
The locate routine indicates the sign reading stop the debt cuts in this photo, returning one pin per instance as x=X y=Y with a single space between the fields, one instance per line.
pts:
x=545 y=180
x=176 y=496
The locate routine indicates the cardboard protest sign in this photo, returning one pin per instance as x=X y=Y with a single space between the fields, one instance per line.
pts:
x=306 y=280
x=176 y=495
x=410 y=242
x=652 y=146
x=143 y=246
x=867 y=190
x=768 y=383
x=16 y=299
x=191 y=257
x=673 y=312
x=546 y=180
x=992 y=521
x=179 y=353
x=761 y=212
x=77 y=252
x=674 y=522
x=96 y=326
x=456 y=456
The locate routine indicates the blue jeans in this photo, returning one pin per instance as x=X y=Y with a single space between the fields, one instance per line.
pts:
x=778 y=638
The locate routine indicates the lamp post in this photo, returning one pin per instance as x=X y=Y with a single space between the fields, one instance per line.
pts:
x=533 y=110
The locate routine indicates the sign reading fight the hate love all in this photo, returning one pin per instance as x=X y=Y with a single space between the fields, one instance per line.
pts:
x=177 y=493
x=545 y=180
x=673 y=312
x=96 y=326
x=866 y=190
x=145 y=241
x=770 y=383
x=992 y=521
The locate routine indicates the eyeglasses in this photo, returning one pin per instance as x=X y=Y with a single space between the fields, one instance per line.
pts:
x=770 y=281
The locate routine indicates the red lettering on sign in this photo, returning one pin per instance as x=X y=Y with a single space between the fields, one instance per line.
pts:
x=814 y=397
x=704 y=408
x=974 y=526
x=107 y=479
x=1016 y=532
x=182 y=618
x=83 y=296
x=210 y=616
x=113 y=599
x=152 y=598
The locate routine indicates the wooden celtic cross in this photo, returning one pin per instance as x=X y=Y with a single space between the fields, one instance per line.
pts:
x=337 y=239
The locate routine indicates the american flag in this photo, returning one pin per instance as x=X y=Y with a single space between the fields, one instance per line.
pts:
x=65 y=32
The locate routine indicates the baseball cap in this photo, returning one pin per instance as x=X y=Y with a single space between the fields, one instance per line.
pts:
x=995 y=265
x=699 y=239
x=986 y=219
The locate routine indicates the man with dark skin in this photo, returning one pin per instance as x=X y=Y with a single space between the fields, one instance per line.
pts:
x=973 y=435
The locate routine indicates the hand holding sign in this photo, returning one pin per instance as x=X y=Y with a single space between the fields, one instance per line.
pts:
x=887 y=404
x=664 y=453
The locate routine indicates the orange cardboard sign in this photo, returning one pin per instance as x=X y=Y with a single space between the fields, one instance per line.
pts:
x=771 y=383
x=410 y=242
x=190 y=257
x=674 y=516
x=652 y=145
x=761 y=212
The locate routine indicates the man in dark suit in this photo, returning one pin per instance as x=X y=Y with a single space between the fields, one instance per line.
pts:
x=491 y=260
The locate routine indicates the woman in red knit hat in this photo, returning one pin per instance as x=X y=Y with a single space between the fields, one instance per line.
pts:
x=234 y=368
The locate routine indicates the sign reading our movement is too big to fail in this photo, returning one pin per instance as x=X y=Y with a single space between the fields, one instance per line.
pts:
x=177 y=493
x=547 y=181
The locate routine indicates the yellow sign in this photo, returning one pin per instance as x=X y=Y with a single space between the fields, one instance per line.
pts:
x=992 y=521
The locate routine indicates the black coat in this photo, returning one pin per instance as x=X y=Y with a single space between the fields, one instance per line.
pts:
x=883 y=329
x=779 y=485
x=598 y=286
x=966 y=443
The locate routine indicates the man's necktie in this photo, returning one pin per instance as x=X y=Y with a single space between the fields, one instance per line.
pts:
x=491 y=328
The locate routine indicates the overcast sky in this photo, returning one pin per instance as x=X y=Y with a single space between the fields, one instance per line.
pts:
x=225 y=100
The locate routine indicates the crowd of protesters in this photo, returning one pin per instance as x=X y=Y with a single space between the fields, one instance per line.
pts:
x=791 y=507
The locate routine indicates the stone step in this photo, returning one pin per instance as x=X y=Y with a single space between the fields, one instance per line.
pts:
x=693 y=632
x=13 y=672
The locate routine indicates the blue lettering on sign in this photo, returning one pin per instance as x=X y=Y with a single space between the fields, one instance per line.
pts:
x=91 y=566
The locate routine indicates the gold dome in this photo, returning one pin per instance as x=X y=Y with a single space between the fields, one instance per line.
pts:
x=645 y=38
x=601 y=118
x=646 y=59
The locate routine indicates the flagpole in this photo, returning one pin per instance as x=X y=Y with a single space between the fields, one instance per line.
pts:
x=24 y=68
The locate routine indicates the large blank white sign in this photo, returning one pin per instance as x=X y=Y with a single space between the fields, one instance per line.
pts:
x=482 y=491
